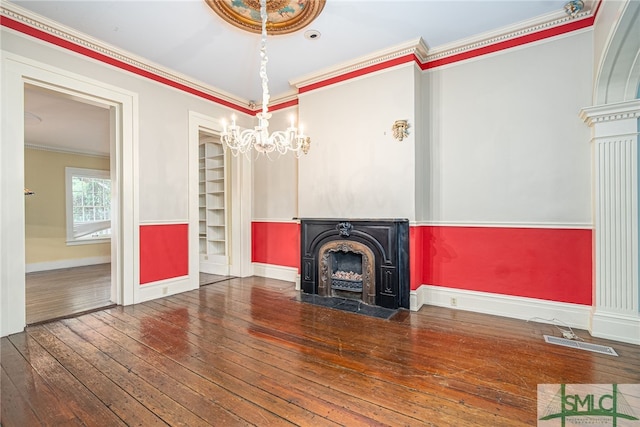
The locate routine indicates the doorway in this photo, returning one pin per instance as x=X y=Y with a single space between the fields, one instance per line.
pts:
x=236 y=260
x=68 y=202
x=18 y=72
x=213 y=208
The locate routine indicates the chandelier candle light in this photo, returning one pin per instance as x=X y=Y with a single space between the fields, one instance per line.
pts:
x=258 y=137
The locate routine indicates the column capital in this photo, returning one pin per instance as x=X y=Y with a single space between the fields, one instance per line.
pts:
x=627 y=110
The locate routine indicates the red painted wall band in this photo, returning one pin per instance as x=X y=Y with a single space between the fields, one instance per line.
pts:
x=283 y=105
x=360 y=72
x=548 y=264
x=164 y=252
x=276 y=243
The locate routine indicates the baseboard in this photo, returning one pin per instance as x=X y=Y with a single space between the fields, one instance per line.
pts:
x=167 y=287
x=616 y=327
x=574 y=315
x=219 y=269
x=277 y=272
x=66 y=263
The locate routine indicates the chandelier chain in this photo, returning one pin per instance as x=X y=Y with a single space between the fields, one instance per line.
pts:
x=259 y=138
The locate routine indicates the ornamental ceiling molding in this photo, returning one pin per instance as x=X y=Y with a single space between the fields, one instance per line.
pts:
x=23 y=16
x=425 y=55
x=417 y=47
x=422 y=55
x=536 y=25
x=283 y=16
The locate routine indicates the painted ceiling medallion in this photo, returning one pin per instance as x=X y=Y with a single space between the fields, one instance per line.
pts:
x=284 y=16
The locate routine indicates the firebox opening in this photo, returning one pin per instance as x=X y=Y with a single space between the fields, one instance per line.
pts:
x=346 y=274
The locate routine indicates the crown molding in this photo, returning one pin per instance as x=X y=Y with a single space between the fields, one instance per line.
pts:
x=66 y=150
x=416 y=51
x=416 y=48
x=60 y=34
x=285 y=100
x=524 y=28
x=518 y=34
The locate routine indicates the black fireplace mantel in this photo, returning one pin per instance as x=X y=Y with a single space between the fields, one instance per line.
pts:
x=387 y=240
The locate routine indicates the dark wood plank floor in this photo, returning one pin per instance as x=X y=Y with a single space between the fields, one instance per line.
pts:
x=67 y=291
x=243 y=352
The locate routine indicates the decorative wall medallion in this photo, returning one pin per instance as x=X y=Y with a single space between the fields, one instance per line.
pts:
x=284 y=16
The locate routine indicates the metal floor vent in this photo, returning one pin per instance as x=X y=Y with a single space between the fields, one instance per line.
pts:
x=596 y=348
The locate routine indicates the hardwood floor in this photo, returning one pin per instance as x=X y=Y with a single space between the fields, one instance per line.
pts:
x=243 y=352
x=208 y=279
x=67 y=291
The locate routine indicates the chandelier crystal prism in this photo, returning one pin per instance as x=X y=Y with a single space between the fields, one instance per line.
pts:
x=259 y=138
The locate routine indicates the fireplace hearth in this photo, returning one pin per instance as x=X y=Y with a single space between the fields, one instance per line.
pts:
x=365 y=260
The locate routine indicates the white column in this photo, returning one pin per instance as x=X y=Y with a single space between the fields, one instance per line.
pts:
x=615 y=313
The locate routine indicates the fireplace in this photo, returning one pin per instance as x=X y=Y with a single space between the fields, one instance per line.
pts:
x=360 y=259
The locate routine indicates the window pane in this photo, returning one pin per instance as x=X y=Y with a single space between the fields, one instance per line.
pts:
x=91 y=201
x=77 y=184
x=98 y=194
x=88 y=214
x=77 y=198
x=77 y=214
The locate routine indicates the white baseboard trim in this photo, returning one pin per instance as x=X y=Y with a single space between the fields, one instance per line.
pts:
x=277 y=272
x=617 y=327
x=219 y=269
x=66 y=263
x=574 y=315
x=167 y=287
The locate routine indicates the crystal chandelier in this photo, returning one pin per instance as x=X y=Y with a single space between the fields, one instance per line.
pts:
x=258 y=137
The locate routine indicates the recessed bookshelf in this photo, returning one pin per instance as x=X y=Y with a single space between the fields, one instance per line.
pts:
x=213 y=233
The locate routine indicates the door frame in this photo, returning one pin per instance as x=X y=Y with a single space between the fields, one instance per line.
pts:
x=240 y=201
x=16 y=72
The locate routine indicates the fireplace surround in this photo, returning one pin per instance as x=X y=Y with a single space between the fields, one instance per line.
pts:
x=361 y=259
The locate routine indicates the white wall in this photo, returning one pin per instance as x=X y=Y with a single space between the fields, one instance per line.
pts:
x=275 y=178
x=355 y=168
x=420 y=132
x=506 y=145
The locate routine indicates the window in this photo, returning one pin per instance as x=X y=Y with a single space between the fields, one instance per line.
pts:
x=88 y=193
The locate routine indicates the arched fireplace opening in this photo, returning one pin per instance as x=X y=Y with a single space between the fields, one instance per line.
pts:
x=346 y=271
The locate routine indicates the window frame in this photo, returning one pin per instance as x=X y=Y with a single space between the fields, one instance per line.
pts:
x=70 y=173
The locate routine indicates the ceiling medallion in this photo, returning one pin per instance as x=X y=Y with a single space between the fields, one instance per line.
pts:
x=283 y=16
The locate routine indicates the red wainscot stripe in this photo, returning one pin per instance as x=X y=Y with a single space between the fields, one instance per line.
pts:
x=164 y=252
x=66 y=44
x=276 y=243
x=548 y=264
